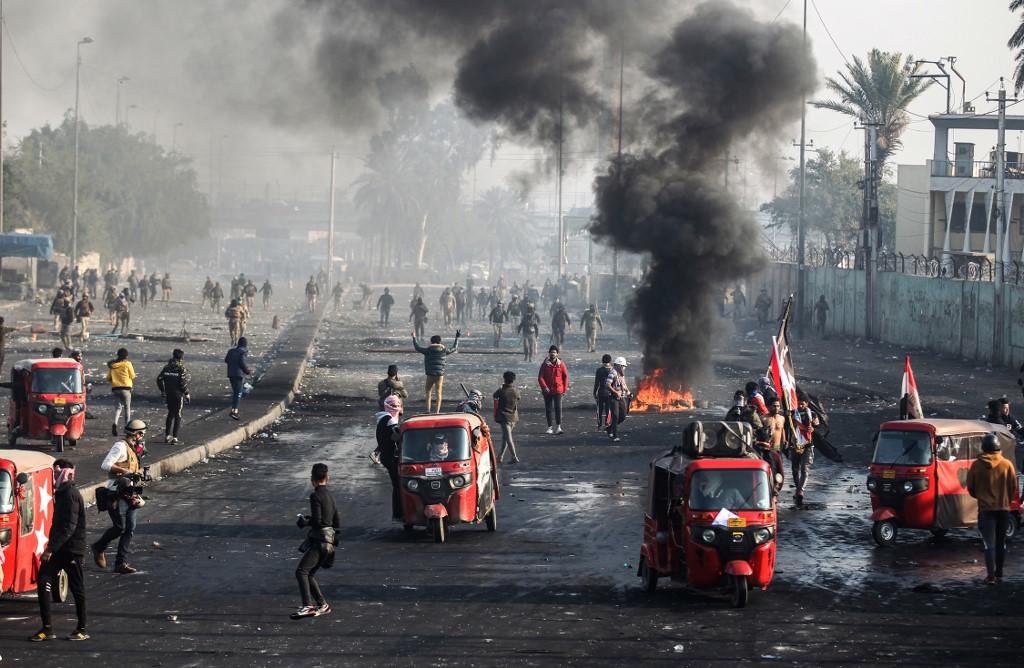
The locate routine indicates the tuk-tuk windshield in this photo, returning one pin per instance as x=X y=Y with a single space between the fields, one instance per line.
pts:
x=733 y=489
x=57 y=381
x=903 y=448
x=6 y=493
x=443 y=444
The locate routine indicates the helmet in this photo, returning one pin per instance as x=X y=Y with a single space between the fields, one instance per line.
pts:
x=620 y=361
x=134 y=426
x=989 y=443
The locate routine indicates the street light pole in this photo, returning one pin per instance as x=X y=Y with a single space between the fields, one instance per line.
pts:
x=174 y=136
x=117 y=101
x=330 y=226
x=801 y=270
x=74 y=205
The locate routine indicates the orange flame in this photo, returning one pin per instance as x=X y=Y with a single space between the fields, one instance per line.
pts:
x=654 y=395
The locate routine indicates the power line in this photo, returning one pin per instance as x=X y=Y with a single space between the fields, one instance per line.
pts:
x=781 y=10
x=17 y=56
x=827 y=32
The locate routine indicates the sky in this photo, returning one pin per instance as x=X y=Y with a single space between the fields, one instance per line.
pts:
x=146 y=41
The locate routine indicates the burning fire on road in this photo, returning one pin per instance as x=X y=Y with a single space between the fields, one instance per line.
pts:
x=654 y=395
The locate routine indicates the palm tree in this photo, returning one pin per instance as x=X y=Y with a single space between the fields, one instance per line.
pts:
x=878 y=91
x=1016 y=41
x=503 y=214
x=386 y=194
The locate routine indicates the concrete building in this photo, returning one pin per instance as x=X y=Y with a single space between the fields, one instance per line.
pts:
x=945 y=207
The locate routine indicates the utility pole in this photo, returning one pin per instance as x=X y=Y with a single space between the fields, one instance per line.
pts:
x=74 y=202
x=1002 y=224
x=561 y=222
x=330 y=227
x=615 y=251
x=117 y=101
x=869 y=223
x=1 y=118
x=801 y=235
x=174 y=136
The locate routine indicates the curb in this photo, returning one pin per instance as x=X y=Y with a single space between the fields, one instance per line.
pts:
x=182 y=460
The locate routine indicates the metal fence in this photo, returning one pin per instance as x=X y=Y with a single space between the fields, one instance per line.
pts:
x=951 y=266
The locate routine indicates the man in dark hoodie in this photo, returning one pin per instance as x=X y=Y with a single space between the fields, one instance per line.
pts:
x=992 y=480
x=435 y=361
x=64 y=551
x=238 y=369
x=318 y=549
x=173 y=382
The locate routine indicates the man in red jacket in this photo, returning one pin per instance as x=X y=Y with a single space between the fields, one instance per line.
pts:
x=554 y=383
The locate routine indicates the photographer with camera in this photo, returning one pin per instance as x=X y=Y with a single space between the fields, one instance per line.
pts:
x=318 y=548
x=121 y=496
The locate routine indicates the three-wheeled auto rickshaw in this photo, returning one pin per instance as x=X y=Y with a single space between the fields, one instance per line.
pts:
x=47 y=402
x=26 y=511
x=711 y=520
x=918 y=476
x=448 y=473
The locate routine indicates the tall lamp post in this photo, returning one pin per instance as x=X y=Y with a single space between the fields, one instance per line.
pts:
x=174 y=136
x=74 y=207
x=117 y=100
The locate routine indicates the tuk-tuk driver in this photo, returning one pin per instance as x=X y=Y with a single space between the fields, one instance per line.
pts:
x=710 y=488
x=439 y=450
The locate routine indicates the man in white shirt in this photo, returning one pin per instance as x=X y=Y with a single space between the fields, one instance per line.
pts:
x=121 y=463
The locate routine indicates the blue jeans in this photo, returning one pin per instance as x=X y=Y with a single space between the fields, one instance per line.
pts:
x=236 y=391
x=992 y=525
x=123 y=518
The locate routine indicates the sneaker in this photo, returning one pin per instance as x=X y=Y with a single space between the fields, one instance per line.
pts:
x=990 y=580
x=323 y=609
x=514 y=461
x=550 y=430
x=615 y=439
x=168 y=439
x=78 y=634
x=99 y=557
x=559 y=430
x=42 y=635
x=305 y=611
x=113 y=430
x=125 y=569
x=375 y=457
x=233 y=415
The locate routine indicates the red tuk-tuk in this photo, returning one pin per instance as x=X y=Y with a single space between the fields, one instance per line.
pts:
x=26 y=511
x=918 y=476
x=47 y=402
x=448 y=473
x=711 y=519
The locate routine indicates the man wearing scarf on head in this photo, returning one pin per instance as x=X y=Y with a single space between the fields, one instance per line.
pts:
x=64 y=551
x=387 y=448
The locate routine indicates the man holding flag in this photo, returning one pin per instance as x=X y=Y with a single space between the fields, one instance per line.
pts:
x=910 y=401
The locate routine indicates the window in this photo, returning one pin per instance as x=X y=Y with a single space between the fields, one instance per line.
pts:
x=445 y=444
x=977 y=217
x=733 y=489
x=904 y=448
x=27 y=509
x=6 y=493
x=57 y=381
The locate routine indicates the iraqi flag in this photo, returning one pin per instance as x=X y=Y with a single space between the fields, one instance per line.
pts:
x=783 y=374
x=910 y=400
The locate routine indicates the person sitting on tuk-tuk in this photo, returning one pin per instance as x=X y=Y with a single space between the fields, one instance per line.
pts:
x=712 y=496
x=439 y=450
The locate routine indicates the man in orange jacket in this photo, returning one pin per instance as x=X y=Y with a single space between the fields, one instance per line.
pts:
x=992 y=480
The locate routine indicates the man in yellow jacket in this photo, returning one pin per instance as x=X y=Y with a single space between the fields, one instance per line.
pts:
x=121 y=375
x=992 y=480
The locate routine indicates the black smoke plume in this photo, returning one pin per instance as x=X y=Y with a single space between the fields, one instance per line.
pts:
x=735 y=80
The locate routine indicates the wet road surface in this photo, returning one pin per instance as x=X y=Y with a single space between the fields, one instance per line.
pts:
x=555 y=585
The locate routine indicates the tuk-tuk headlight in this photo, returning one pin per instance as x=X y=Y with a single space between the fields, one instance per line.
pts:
x=42 y=408
x=762 y=535
x=872 y=484
x=413 y=485
x=5 y=537
x=461 y=481
x=908 y=486
x=75 y=409
x=708 y=535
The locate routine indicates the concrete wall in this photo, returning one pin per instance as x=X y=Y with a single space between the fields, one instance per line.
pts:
x=952 y=317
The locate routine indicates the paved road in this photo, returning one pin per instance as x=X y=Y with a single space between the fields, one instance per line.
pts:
x=555 y=585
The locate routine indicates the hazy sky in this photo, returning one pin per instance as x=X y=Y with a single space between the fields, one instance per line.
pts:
x=147 y=41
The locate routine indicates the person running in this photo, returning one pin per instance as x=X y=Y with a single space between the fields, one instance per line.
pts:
x=560 y=323
x=992 y=480
x=384 y=304
x=391 y=386
x=122 y=312
x=238 y=368
x=173 y=382
x=235 y=314
x=121 y=375
x=418 y=316
x=207 y=290
x=553 y=379
x=386 y=453
x=64 y=551
x=529 y=329
x=267 y=290
x=318 y=548
x=83 y=311
x=435 y=362
x=602 y=395
x=591 y=323
x=506 y=414
x=122 y=467
x=618 y=396
x=497 y=318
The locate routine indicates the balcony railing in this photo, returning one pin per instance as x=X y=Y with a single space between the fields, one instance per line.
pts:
x=977 y=170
